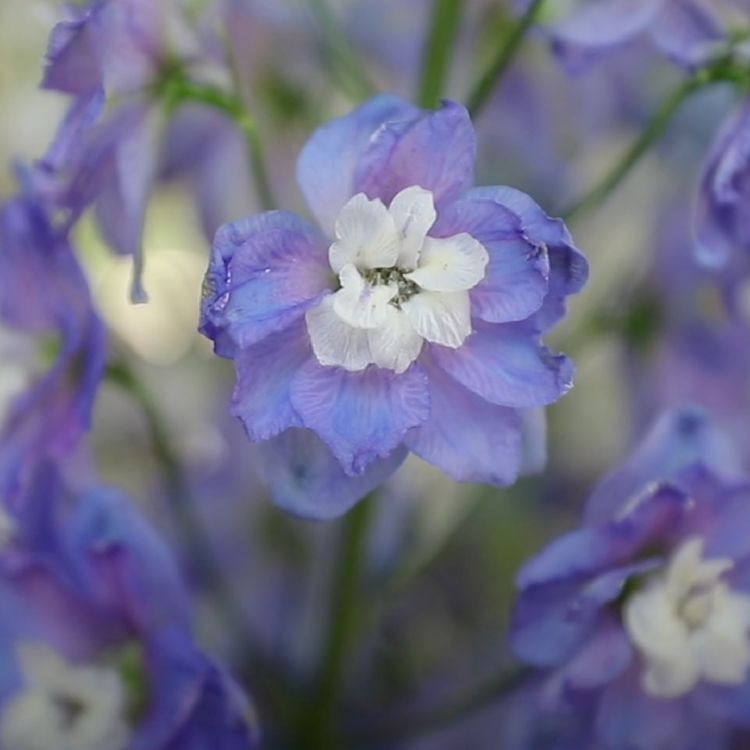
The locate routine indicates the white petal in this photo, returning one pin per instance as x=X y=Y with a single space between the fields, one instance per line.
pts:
x=335 y=342
x=395 y=344
x=453 y=264
x=413 y=210
x=440 y=317
x=365 y=235
x=359 y=304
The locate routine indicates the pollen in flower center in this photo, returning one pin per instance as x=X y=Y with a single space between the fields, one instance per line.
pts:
x=399 y=287
x=689 y=625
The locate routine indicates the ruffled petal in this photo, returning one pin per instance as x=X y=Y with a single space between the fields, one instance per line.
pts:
x=264 y=375
x=366 y=236
x=306 y=479
x=468 y=438
x=454 y=264
x=334 y=341
x=361 y=415
x=507 y=365
x=326 y=165
x=413 y=210
x=358 y=303
x=395 y=344
x=434 y=150
x=440 y=317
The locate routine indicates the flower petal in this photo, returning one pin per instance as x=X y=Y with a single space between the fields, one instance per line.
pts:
x=306 y=479
x=326 y=165
x=335 y=342
x=434 y=150
x=454 y=264
x=358 y=303
x=366 y=236
x=685 y=30
x=440 y=317
x=395 y=344
x=361 y=415
x=507 y=365
x=413 y=210
x=468 y=438
x=264 y=375
x=273 y=278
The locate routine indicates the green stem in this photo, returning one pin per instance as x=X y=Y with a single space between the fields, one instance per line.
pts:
x=320 y=728
x=651 y=133
x=496 y=70
x=231 y=105
x=446 y=19
x=454 y=710
x=344 y=63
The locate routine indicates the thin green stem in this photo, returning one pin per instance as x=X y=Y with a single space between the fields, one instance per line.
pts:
x=320 y=727
x=183 y=90
x=446 y=20
x=650 y=134
x=497 y=68
x=345 y=65
x=455 y=709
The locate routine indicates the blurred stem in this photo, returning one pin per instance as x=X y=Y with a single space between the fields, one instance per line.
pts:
x=208 y=568
x=454 y=710
x=344 y=63
x=651 y=133
x=183 y=90
x=320 y=727
x=446 y=19
x=497 y=68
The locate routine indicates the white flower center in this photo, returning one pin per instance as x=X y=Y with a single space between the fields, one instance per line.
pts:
x=689 y=625
x=64 y=706
x=399 y=287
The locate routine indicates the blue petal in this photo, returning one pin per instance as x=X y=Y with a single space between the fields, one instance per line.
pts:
x=264 y=375
x=516 y=277
x=679 y=440
x=360 y=415
x=327 y=163
x=684 y=31
x=264 y=273
x=468 y=438
x=435 y=150
x=306 y=479
x=507 y=365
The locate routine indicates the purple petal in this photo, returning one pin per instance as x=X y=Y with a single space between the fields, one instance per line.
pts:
x=435 y=150
x=516 y=277
x=507 y=365
x=327 y=163
x=264 y=375
x=71 y=64
x=469 y=439
x=265 y=272
x=678 y=440
x=360 y=415
x=306 y=479
x=684 y=31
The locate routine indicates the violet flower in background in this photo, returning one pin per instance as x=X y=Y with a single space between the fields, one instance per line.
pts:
x=642 y=616
x=430 y=336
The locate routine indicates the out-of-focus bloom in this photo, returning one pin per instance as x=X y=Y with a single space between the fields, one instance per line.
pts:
x=642 y=616
x=44 y=300
x=722 y=226
x=689 y=32
x=116 y=58
x=417 y=327
x=95 y=641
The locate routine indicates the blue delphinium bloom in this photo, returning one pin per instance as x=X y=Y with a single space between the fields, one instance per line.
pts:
x=412 y=321
x=95 y=642
x=44 y=300
x=642 y=616
x=686 y=31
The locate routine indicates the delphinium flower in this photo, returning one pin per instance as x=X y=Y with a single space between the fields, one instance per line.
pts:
x=95 y=639
x=642 y=616
x=117 y=59
x=45 y=309
x=689 y=32
x=412 y=321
